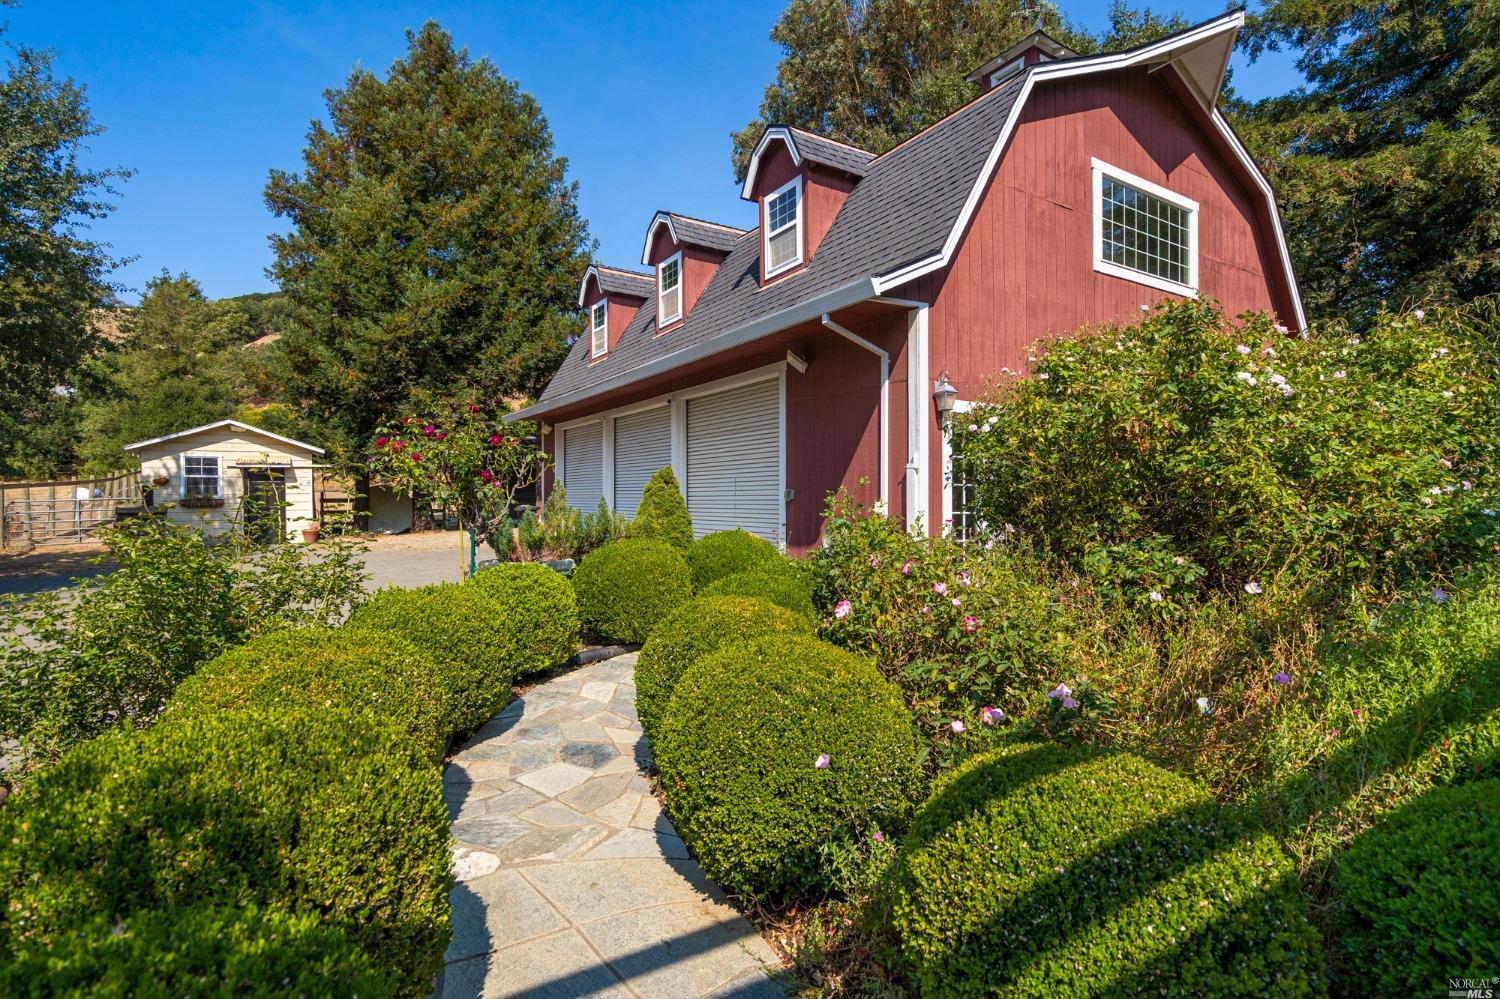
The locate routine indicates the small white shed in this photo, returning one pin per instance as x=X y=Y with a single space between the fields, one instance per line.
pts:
x=222 y=474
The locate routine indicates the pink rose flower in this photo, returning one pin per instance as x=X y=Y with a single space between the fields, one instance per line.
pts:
x=823 y=761
x=842 y=609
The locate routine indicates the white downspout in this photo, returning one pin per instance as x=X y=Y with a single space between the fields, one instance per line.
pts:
x=885 y=403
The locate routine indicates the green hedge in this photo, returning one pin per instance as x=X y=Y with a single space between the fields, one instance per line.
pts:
x=460 y=629
x=198 y=951
x=1420 y=894
x=377 y=674
x=663 y=514
x=693 y=631
x=724 y=553
x=318 y=813
x=778 y=582
x=625 y=588
x=1055 y=870
x=737 y=751
x=539 y=608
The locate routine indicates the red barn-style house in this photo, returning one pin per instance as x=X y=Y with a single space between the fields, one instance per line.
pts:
x=774 y=366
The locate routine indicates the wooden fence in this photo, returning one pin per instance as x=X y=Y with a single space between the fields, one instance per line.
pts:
x=63 y=510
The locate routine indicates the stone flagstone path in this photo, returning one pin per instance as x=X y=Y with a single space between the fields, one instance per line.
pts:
x=570 y=880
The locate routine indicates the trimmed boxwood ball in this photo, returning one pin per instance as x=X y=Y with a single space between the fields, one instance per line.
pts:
x=724 y=553
x=462 y=630
x=319 y=813
x=374 y=673
x=626 y=587
x=778 y=582
x=738 y=750
x=539 y=608
x=1056 y=870
x=693 y=631
x=1420 y=894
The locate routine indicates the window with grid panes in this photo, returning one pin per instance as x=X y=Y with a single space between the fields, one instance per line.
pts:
x=1146 y=233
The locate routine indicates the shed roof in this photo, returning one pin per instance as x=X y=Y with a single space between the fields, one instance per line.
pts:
x=235 y=425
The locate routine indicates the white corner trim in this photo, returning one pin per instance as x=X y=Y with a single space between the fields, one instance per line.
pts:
x=797 y=223
x=1099 y=170
x=661 y=319
x=594 y=349
x=657 y=221
x=776 y=133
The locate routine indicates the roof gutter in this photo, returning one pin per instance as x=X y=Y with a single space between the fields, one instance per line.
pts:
x=813 y=308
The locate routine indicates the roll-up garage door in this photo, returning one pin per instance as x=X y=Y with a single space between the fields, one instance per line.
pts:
x=734 y=460
x=583 y=465
x=643 y=446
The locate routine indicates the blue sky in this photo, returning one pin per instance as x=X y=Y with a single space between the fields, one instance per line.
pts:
x=203 y=99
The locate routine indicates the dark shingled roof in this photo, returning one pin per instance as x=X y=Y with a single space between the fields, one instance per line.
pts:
x=901 y=212
x=697 y=232
x=618 y=281
x=830 y=152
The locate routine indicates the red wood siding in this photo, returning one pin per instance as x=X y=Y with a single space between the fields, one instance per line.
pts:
x=823 y=194
x=698 y=266
x=621 y=310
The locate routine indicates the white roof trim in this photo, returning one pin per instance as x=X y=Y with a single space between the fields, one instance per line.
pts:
x=1220 y=32
x=583 y=286
x=657 y=220
x=773 y=134
x=231 y=424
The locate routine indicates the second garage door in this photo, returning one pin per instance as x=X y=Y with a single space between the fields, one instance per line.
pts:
x=643 y=446
x=734 y=460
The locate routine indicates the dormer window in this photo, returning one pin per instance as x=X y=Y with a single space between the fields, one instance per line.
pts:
x=599 y=327
x=782 y=226
x=669 y=290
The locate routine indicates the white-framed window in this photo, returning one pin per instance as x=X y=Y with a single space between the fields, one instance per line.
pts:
x=782 y=225
x=669 y=290
x=200 y=476
x=1010 y=69
x=959 y=514
x=599 y=328
x=1144 y=232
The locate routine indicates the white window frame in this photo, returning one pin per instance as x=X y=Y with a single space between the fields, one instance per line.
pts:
x=765 y=227
x=1099 y=173
x=961 y=408
x=218 y=461
x=661 y=319
x=1005 y=72
x=596 y=348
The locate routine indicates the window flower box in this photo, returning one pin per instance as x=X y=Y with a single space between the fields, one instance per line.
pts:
x=202 y=502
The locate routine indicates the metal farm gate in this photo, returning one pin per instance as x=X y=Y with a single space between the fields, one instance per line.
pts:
x=65 y=510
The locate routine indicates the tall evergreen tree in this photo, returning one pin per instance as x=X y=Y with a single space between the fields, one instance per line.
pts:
x=435 y=244
x=1387 y=163
x=52 y=276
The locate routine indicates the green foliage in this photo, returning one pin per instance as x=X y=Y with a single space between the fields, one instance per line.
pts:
x=663 y=513
x=1336 y=460
x=782 y=586
x=459 y=458
x=318 y=816
x=52 y=276
x=624 y=589
x=563 y=532
x=1051 y=870
x=479 y=648
x=1420 y=894
x=598 y=529
x=539 y=608
x=377 y=675
x=691 y=632
x=434 y=244
x=738 y=751
x=1386 y=164
x=174 y=952
x=110 y=651
x=724 y=553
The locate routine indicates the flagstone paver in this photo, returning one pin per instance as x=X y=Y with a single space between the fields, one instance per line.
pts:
x=571 y=881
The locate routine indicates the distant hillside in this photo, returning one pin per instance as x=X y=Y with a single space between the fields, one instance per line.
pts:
x=267 y=311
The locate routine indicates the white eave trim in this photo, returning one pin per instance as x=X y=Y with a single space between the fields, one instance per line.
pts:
x=583 y=286
x=831 y=301
x=659 y=219
x=1167 y=50
x=238 y=425
x=776 y=133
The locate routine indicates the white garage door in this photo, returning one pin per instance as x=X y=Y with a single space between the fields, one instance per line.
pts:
x=583 y=466
x=643 y=446
x=734 y=460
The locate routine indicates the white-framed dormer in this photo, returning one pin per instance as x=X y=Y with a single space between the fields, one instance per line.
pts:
x=599 y=328
x=1144 y=232
x=781 y=227
x=669 y=290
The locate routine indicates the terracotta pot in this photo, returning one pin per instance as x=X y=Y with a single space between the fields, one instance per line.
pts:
x=310 y=534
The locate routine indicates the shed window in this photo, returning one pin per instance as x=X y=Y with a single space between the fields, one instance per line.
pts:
x=783 y=227
x=200 y=475
x=1144 y=232
x=599 y=327
x=669 y=290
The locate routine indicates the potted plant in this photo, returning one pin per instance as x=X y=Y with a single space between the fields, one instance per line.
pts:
x=312 y=532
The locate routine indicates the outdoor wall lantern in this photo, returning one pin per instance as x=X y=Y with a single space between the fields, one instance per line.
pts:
x=945 y=395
